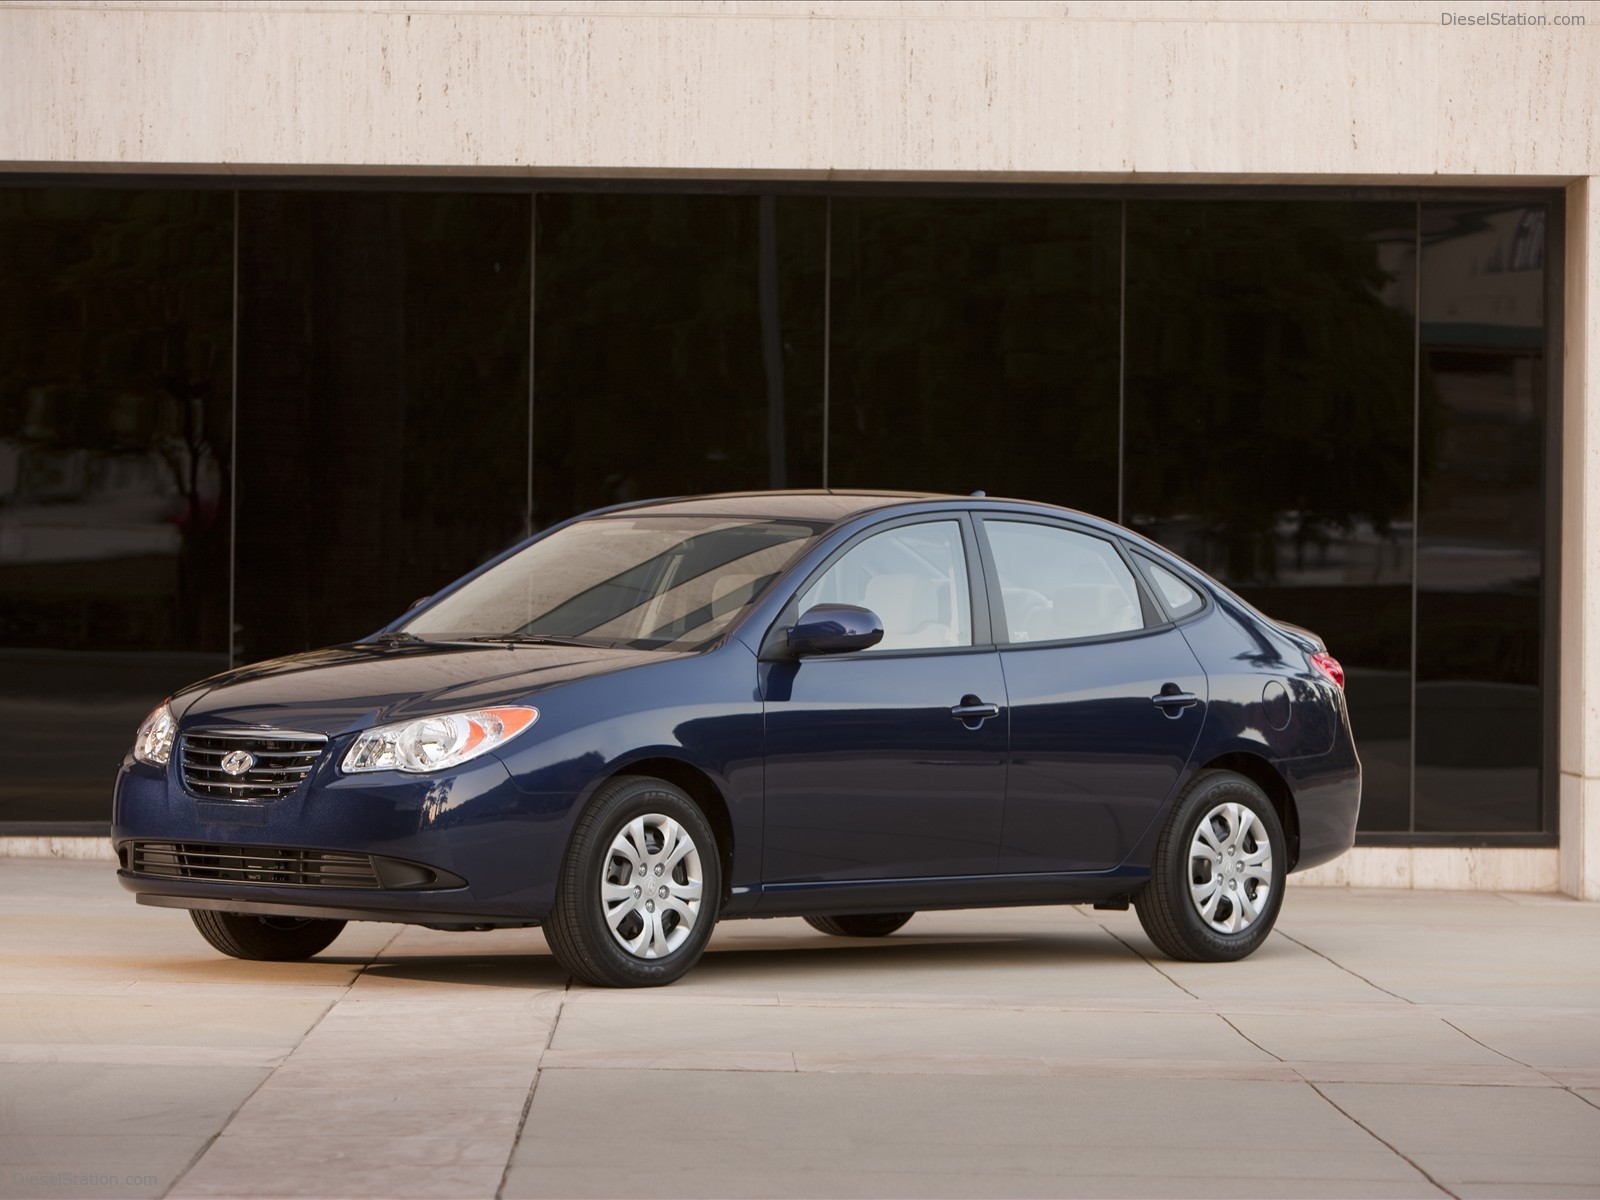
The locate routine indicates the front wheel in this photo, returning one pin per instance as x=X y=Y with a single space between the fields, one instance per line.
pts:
x=640 y=887
x=265 y=939
x=1217 y=879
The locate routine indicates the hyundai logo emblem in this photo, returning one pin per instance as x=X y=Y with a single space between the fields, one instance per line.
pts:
x=237 y=762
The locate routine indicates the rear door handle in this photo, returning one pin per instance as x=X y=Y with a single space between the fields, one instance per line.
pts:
x=1173 y=702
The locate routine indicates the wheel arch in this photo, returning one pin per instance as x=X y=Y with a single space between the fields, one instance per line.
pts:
x=1266 y=777
x=707 y=796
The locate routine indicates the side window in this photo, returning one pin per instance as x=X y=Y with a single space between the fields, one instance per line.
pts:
x=1057 y=584
x=914 y=577
x=1180 y=598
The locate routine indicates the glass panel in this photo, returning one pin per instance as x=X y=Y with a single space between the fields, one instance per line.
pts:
x=1269 y=426
x=913 y=578
x=975 y=347
x=644 y=582
x=1481 y=525
x=115 y=329
x=1057 y=584
x=383 y=405
x=1180 y=599
x=679 y=348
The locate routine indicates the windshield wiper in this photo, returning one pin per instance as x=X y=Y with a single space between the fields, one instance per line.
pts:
x=395 y=637
x=532 y=639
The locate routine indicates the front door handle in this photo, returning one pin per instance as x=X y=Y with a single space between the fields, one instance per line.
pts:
x=973 y=712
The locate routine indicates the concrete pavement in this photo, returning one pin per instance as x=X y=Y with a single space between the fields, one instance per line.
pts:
x=1380 y=1044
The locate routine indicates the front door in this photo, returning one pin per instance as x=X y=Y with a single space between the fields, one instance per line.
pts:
x=889 y=763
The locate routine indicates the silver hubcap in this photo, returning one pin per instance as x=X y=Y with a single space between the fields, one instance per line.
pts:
x=650 y=889
x=1230 y=868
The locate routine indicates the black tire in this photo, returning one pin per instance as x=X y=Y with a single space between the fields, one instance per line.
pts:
x=1170 y=912
x=860 y=925
x=578 y=931
x=265 y=939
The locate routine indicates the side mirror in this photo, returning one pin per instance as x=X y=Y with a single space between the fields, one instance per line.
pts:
x=835 y=629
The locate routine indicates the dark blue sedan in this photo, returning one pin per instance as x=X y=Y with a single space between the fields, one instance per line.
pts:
x=843 y=706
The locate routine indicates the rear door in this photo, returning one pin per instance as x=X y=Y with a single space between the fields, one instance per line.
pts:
x=1107 y=699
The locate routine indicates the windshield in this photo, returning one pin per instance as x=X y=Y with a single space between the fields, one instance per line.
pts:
x=667 y=582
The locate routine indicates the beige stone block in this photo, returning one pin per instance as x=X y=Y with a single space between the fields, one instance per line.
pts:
x=96 y=849
x=370 y=1107
x=97 y=84
x=1580 y=837
x=93 y=1100
x=126 y=1020
x=822 y=1133
x=1579 y=624
x=1536 y=74
x=679 y=94
x=123 y=1165
x=374 y=1164
x=1363 y=1038
x=1490 y=869
x=1333 y=874
x=1009 y=90
x=366 y=88
x=1363 y=866
x=1472 y=1134
x=1440 y=868
x=649 y=1034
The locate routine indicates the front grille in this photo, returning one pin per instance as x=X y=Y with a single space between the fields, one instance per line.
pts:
x=282 y=760
x=280 y=866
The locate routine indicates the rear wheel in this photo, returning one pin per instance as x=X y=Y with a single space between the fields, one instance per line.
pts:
x=640 y=887
x=860 y=925
x=1217 y=879
x=265 y=939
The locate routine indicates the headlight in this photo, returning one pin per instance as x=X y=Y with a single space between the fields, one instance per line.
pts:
x=436 y=743
x=153 y=743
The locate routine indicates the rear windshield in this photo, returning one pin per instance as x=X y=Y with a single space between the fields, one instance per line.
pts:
x=645 y=582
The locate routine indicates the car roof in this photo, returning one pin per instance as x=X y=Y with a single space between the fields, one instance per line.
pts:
x=836 y=506
x=832 y=505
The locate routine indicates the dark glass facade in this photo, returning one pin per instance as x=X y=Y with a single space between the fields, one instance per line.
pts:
x=1271 y=389
x=383 y=405
x=116 y=331
x=678 y=347
x=1480 y=519
x=239 y=424
x=974 y=346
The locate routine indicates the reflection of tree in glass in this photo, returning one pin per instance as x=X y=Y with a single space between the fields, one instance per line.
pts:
x=1269 y=375
x=975 y=346
x=114 y=357
x=655 y=372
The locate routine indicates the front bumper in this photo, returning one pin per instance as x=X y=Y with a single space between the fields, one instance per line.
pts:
x=466 y=849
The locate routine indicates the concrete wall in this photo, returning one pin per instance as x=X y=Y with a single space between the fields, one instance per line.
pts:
x=856 y=88
x=1141 y=92
x=1580 y=530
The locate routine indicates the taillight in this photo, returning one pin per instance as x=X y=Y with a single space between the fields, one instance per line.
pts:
x=1329 y=666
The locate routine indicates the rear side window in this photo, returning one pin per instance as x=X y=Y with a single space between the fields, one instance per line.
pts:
x=1057 y=584
x=1180 y=597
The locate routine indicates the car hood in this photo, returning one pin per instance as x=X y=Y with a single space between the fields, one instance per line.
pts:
x=352 y=687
